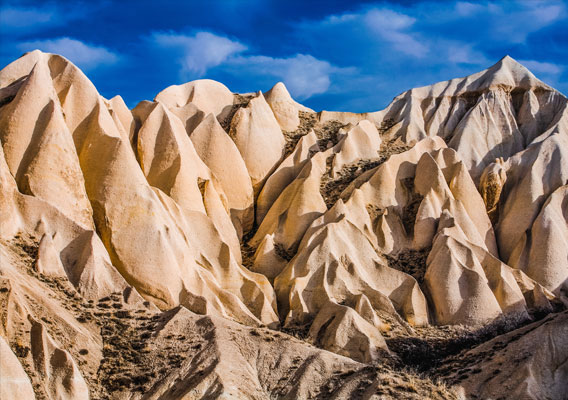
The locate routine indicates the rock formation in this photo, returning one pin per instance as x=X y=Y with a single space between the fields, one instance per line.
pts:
x=210 y=244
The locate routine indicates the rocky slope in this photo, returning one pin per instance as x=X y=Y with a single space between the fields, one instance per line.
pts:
x=212 y=245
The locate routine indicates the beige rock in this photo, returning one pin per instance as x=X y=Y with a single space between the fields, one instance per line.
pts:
x=501 y=131
x=466 y=283
x=168 y=159
x=48 y=261
x=190 y=116
x=341 y=330
x=301 y=201
x=258 y=137
x=459 y=110
x=360 y=142
x=267 y=261
x=93 y=274
x=14 y=382
x=134 y=221
x=365 y=309
x=207 y=95
x=284 y=107
x=336 y=264
x=532 y=176
x=344 y=117
x=271 y=363
x=295 y=209
x=217 y=211
x=108 y=214
x=221 y=155
x=286 y=172
x=531 y=365
x=491 y=184
x=39 y=148
x=62 y=378
x=122 y=117
x=63 y=240
x=543 y=254
x=77 y=95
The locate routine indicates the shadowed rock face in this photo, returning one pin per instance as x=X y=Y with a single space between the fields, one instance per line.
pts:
x=210 y=244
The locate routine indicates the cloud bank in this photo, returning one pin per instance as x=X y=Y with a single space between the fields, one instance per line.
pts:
x=351 y=56
x=84 y=55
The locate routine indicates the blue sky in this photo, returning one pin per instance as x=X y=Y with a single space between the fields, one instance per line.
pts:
x=340 y=55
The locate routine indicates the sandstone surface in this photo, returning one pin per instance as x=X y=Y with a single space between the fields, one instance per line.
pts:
x=210 y=244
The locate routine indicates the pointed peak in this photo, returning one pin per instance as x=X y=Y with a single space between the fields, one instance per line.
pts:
x=143 y=109
x=510 y=72
x=117 y=99
x=279 y=92
x=507 y=72
x=280 y=87
x=33 y=53
x=510 y=64
x=210 y=119
x=508 y=59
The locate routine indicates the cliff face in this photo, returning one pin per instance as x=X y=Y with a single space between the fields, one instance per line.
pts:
x=148 y=253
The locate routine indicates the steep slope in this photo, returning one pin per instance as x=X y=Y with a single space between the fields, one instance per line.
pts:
x=147 y=253
x=133 y=196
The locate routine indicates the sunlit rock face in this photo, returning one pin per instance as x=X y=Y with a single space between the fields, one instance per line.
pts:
x=148 y=253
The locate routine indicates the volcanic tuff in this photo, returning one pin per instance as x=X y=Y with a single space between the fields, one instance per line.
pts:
x=209 y=244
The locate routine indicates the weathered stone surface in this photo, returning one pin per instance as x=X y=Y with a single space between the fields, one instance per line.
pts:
x=174 y=250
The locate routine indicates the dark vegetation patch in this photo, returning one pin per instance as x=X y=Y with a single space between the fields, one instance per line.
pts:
x=460 y=366
x=133 y=359
x=239 y=101
x=27 y=247
x=412 y=262
x=307 y=122
x=201 y=185
x=427 y=350
x=247 y=251
x=385 y=126
x=386 y=381
x=331 y=189
x=411 y=208
x=374 y=211
x=282 y=252
x=328 y=134
x=299 y=332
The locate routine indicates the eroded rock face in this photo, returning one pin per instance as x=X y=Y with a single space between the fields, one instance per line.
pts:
x=15 y=383
x=259 y=139
x=151 y=251
x=527 y=363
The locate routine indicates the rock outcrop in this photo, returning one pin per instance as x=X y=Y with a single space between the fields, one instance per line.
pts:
x=210 y=244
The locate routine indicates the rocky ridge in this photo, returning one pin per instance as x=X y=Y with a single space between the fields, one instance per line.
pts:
x=404 y=253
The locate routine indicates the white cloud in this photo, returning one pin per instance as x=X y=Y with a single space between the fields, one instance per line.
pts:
x=84 y=55
x=303 y=75
x=17 y=20
x=391 y=26
x=199 y=52
x=339 y=19
x=19 y=17
x=514 y=21
x=462 y=53
x=464 y=8
x=381 y=26
x=385 y=19
x=543 y=14
x=14 y=19
x=542 y=67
